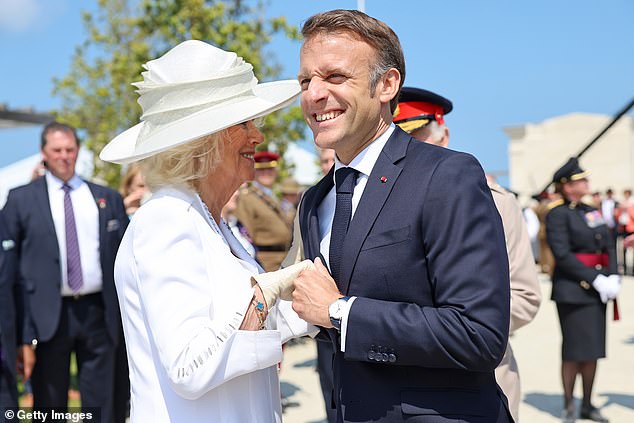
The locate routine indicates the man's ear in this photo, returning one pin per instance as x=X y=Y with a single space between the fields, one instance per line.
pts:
x=389 y=86
x=445 y=139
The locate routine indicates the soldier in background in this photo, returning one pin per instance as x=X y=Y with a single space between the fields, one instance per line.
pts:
x=261 y=212
x=326 y=159
x=584 y=280
x=546 y=259
x=421 y=114
x=291 y=192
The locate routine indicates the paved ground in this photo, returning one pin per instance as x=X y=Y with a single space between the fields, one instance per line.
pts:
x=537 y=348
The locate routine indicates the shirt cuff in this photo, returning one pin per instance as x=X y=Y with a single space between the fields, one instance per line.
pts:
x=344 y=322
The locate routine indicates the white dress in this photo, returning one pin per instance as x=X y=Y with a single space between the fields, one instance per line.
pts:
x=183 y=295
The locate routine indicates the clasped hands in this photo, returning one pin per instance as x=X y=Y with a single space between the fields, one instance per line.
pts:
x=607 y=286
x=308 y=285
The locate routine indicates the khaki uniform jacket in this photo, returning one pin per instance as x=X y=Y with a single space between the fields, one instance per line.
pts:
x=267 y=224
x=525 y=291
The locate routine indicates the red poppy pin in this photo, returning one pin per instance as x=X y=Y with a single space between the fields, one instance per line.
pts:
x=102 y=203
x=383 y=179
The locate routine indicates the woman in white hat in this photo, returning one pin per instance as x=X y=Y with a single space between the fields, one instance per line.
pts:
x=203 y=338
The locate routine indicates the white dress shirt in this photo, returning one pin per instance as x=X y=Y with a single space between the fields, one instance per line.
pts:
x=364 y=163
x=87 y=223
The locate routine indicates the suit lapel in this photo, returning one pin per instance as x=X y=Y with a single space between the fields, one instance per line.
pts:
x=380 y=183
x=310 y=229
x=95 y=191
x=43 y=204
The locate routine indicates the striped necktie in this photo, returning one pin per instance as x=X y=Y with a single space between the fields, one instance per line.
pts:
x=73 y=259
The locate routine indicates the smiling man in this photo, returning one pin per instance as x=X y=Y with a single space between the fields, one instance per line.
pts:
x=67 y=232
x=415 y=298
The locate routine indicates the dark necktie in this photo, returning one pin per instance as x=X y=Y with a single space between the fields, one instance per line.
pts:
x=345 y=180
x=73 y=259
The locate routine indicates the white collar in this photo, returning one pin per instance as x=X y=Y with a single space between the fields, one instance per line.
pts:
x=364 y=161
x=54 y=182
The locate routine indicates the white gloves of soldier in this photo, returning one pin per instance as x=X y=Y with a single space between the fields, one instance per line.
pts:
x=616 y=285
x=279 y=284
x=607 y=286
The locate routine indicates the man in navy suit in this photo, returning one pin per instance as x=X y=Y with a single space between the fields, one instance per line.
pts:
x=417 y=306
x=8 y=388
x=67 y=232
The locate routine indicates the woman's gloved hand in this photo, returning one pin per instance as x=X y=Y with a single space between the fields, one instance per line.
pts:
x=615 y=285
x=607 y=286
x=279 y=284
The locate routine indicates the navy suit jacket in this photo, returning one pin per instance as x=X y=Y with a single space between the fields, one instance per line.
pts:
x=30 y=223
x=426 y=257
x=8 y=290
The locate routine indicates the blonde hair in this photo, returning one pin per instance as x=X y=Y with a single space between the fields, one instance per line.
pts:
x=186 y=164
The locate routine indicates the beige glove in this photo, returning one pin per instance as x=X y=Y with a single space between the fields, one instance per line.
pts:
x=279 y=284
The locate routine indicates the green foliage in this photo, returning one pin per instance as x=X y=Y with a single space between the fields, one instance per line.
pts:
x=96 y=93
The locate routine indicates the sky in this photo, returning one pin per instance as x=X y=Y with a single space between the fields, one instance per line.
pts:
x=502 y=63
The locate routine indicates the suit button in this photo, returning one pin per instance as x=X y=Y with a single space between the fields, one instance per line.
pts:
x=371 y=355
x=598 y=236
x=392 y=358
x=584 y=285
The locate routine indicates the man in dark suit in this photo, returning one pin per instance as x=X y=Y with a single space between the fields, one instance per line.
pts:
x=417 y=306
x=8 y=388
x=67 y=232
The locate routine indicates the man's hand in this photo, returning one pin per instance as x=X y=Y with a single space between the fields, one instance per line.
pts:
x=279 y=284
x=628 y=242
x=314 y=291
x=25 y=361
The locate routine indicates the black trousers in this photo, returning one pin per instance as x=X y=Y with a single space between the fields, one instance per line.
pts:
x=81 y=329
x=8 y=390
x=324 y=369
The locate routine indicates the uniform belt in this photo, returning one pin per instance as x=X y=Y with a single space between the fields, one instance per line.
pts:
x=598 y=261
x=280 y=247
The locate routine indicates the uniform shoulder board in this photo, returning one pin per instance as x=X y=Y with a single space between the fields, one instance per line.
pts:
x=555 y=203
x=498 y=188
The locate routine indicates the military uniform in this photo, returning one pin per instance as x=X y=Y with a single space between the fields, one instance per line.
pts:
x=584 y=256
x=573 y=230
x=525 y=291
x=268 y=223
x=546 y=259
x=419 y=108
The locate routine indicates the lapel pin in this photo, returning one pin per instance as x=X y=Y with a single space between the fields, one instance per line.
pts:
x=383 y=179
x=102 y=203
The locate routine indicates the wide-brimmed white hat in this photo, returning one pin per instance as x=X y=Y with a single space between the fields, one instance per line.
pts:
x=193 y=90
